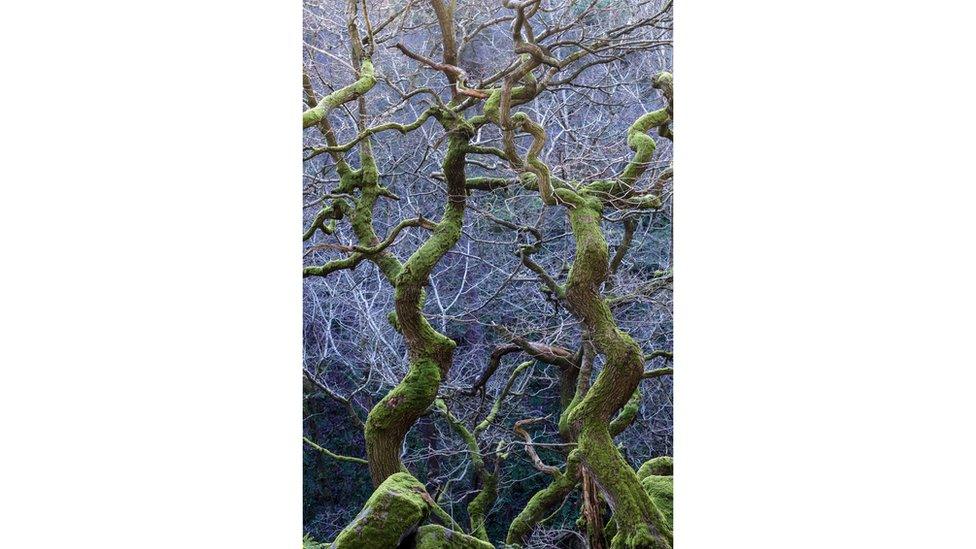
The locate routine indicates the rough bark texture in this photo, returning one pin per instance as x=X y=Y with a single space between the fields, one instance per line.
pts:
x=638 y=524
x=353 y=91
x=592 y=411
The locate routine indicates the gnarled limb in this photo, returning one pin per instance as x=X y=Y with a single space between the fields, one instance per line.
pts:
x=544 y=502
x=660 y=466
x=487 y=482
x=638 y=523
x=366 y=81
x=402 y=128
x=629 y=411
x=360 y=253
x=530 y=448
x=496 y=407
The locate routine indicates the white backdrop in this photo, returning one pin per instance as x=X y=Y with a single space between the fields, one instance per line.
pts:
x=824 y=296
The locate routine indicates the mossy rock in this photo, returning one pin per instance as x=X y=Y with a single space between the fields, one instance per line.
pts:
x=390 y=515
x=433 y=536
x=661 y=491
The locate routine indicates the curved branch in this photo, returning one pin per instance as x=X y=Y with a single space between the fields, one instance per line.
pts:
x=496 y=407
x=333 y=455
x=402 y=128
x=544 y=502
x=361 y=252
x=530 y=448
x=367 y=78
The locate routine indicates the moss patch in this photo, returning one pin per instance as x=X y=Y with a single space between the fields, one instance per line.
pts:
x=392 y=513
x=661 y=491
x=433 y=536
x=661 y=466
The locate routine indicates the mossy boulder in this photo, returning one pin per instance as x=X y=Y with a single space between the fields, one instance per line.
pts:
x=661 y=491
x=433 y=536
x=389 y=516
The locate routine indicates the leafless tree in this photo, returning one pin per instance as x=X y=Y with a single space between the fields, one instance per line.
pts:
x=488 y=271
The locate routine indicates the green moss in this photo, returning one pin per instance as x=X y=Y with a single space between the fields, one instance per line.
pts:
x=391 y=418
x=431 y=352
x=309 y=543
x=640 y=537
x=366 y=81
x=544 y=502
x=481 y=504
x=664 y=81
x=639 y=523
x=626 y=415
x=367 y=179
x=392 y=513
x=661 y=491
x=661 y=466
x=643 y=146
x=433 y=536
x=488 y=490
x=496 y=407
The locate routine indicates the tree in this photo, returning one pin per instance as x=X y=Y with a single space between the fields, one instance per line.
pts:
x=495 y=148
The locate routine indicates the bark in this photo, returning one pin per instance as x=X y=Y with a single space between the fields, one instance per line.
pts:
x=485 y=482
x=357 y=89
x=639 y=523
x=639 y=526
x=593 y=513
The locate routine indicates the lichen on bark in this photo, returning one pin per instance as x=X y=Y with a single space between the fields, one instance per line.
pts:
x=365 y=82
x=639 y=523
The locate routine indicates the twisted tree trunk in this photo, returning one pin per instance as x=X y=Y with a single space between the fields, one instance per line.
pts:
x=430 y=352
x=638 y=524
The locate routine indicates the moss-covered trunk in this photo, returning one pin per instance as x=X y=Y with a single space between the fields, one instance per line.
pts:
x=639 y=526
x=430 y=352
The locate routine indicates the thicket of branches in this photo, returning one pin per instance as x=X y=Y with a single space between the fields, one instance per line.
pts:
x=487 y=262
